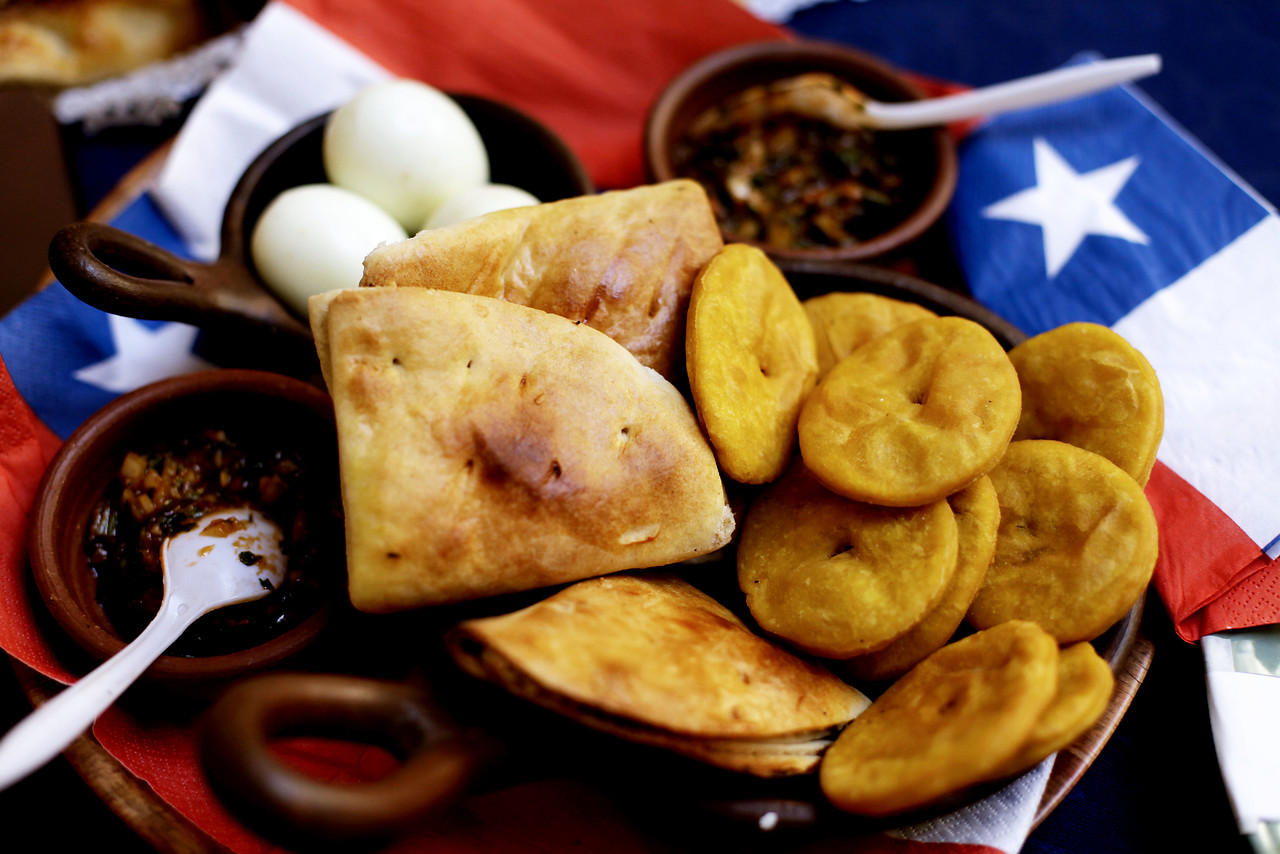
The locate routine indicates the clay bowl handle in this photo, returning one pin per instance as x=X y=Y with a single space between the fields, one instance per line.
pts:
x=120 y=273
x=439 y=759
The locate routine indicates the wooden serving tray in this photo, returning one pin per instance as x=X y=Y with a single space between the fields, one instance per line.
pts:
x=166 y=830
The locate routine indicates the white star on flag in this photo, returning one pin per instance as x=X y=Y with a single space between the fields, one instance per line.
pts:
x=143 y=355
x=1068 y=205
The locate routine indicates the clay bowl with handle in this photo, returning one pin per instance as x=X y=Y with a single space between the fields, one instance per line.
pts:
x=121 y=273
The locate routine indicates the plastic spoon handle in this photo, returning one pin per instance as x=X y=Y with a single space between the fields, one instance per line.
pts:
x=204 y=568
x=1033 y=91
x=47 y=731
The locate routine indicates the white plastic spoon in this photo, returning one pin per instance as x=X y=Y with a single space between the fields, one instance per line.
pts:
x=204 y=569
x=1034 y=91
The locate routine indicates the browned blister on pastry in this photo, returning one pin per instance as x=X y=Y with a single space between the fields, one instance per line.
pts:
x=977 y=511
x=953 y=721
x=913 y=415
x=844 y=321
x=649 y=657
x=840 y=578
x=1083 y=384
x=487 y=447
x=1077 y=542
x=623 y=262
x=751 y=362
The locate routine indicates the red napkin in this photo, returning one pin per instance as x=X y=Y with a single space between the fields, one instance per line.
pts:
x=26 y=447
x=1210 y=575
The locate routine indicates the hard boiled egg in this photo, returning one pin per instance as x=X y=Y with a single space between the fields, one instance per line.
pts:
x=477 y=201
x=406 y=146
x=313 y=238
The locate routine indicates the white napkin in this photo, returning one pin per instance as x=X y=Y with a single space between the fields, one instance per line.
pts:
x=150 y=95
x=289 y=70
x=1243 y=677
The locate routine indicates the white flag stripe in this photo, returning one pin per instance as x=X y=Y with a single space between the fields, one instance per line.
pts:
x=143 y=355
x=1220 y=371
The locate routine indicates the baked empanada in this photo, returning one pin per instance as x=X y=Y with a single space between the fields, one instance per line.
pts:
x=649 y=657
x=486 y=447
x=623 y=262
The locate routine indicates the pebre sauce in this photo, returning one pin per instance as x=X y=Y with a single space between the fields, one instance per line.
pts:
x=780 y=174
x=162 y=490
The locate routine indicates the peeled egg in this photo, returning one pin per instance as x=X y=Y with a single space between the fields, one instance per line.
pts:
x=477 y=201
x=313 y=238
x=406 y=146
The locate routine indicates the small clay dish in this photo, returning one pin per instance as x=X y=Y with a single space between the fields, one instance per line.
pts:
x=925 y=159
x=259 y=411
x=118 y=272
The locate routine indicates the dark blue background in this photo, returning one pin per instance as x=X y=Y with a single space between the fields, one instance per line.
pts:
x=1221 y=74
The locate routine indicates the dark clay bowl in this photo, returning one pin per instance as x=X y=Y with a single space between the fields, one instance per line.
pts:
x=927 y=156
x=247 y=404
x=121 y=273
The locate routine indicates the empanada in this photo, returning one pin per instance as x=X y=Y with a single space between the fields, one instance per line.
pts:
x=486 y=447
x=649 y=657
x=623 y=262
